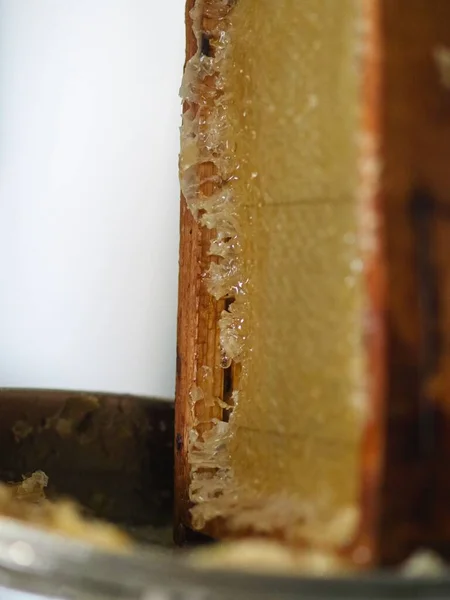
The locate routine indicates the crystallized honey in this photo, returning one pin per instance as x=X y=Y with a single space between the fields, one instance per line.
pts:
x=26 y=502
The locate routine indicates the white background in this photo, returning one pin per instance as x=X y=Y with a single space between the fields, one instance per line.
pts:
x=89 y=117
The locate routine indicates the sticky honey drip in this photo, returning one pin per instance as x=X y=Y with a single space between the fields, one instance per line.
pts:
x=262 y=467
x=206 y=137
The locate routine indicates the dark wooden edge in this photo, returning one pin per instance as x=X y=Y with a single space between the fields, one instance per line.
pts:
x=416 y=156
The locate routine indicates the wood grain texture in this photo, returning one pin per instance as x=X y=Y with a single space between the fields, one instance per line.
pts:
x=197 y=339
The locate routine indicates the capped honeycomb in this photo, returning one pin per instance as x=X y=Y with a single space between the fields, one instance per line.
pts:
x=271 y=164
